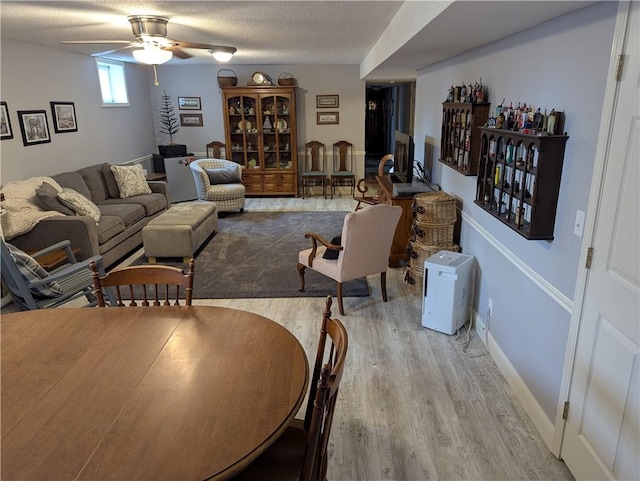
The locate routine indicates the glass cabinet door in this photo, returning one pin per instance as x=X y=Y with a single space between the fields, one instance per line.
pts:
x=276 y=129
x=244 y=130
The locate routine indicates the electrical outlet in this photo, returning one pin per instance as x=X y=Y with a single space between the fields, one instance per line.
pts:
x=578 y=228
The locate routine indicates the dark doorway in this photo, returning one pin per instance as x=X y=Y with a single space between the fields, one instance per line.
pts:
x=389 y=107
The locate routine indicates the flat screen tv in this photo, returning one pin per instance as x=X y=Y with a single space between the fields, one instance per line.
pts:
x=402 y=158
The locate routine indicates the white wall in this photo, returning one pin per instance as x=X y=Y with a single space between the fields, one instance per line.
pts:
x=33 y=76
x=560 y=64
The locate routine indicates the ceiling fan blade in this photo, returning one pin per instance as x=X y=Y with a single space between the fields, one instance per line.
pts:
x=178 y=52
x=202 y=46
x=97 y=42
x=107 y=52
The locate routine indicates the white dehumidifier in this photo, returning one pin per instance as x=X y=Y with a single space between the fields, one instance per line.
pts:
x=448 y=291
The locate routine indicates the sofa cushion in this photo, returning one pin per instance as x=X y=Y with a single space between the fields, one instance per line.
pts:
x=129 y=213
x=73 y=180
x=94 y=178
x=110 y=180
x=80 y=204
x=152 y=203
x=32 y=272
x=130 y=180
x=224 y=175
x=47 y=196
x=109 y=227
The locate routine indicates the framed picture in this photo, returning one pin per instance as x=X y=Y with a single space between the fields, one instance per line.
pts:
x=327 y=101
x=191 y=120
x=64 y=117
x=34 y=126
x=6 y=132
x=189 y=103
x=325 y=118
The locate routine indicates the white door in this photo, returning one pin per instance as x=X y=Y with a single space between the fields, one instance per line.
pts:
x=601 y=439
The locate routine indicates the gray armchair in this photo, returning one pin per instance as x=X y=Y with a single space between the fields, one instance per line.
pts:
x=32 y=287
x=219 y=181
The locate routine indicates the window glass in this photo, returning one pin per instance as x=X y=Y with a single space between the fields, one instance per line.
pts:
x=113 y=82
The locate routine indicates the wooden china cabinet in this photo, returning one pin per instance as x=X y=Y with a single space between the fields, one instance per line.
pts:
x=260 y=131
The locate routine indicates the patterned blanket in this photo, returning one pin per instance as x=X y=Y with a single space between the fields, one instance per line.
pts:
x=22 y=211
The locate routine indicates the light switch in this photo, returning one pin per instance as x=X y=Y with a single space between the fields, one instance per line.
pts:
x=578 y=228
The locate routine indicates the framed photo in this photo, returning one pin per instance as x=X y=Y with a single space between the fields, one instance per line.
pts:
x=34 y=126
x=191 y=120
x=327 y=101
x=64 y=117
x=325 y=118
x=189 y=103
x=6 y=132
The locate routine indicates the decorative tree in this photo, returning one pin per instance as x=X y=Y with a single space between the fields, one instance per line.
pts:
x=167 y=118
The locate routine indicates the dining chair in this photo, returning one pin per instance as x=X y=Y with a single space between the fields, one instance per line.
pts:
x=155 y=285
x=368 y=188
x=367 y=235
x=314 y=165
x=342 y=174
x=32 y=287
x=301 y=453
x=215 y=149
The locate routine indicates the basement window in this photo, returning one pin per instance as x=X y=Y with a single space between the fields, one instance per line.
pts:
x=113 y=83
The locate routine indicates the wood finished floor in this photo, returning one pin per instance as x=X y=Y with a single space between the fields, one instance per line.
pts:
x=411 y=405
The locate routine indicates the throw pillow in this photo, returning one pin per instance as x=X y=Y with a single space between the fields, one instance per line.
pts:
x=130 y=180
x=330 y=253
x=32 y=271
x=79 y=203
x=47 y=196
x=224 y=175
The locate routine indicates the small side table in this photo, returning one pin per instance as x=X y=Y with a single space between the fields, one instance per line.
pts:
x=156 y=176
x=55 y=259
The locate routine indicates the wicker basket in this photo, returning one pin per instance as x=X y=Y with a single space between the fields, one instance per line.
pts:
x=285 y=79
x=227 y=80
x=432 y=234
x=414 y=278
x=419 y=252
x=434 y=207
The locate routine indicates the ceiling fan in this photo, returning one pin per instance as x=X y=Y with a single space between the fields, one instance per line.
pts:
x=153 y=46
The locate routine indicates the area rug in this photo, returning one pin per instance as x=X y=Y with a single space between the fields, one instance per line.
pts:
x=255 y=254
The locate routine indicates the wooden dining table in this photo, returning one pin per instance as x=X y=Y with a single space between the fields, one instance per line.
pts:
x=144 y=393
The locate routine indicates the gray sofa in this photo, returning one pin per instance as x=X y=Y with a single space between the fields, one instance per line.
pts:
x=120 y=229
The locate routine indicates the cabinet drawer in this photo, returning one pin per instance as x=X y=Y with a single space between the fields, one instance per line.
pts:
x=250 y=179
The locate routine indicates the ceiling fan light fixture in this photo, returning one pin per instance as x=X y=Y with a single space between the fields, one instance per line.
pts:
x=222 y=54
x=152 y=55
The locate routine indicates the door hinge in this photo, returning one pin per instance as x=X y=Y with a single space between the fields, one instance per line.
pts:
x=565 y=410
x=619 y=68
x=589 y=257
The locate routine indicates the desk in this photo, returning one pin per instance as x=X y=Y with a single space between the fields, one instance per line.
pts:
x=403 y=229
x=144 y=393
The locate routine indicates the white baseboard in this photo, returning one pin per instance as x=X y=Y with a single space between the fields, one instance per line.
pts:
x=520 y=390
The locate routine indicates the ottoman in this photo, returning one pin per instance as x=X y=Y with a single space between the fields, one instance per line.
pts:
x=180 y=231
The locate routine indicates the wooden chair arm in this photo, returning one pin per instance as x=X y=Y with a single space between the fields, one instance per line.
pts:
x=315 y=238
x=363 y=185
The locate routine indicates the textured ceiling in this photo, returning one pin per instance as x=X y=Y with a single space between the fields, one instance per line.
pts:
x=289 y=32
x=264 y=32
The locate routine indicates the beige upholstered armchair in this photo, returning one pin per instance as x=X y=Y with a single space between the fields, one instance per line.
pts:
x=219 y=181
x=367 y=235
